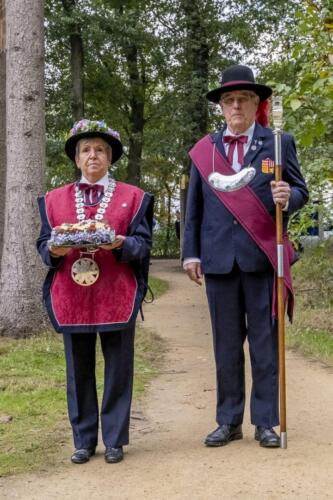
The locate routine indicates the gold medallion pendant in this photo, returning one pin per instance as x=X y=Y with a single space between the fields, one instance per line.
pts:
x=85 y=271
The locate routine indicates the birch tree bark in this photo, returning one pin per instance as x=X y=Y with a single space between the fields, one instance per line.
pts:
x=21 y=311
x=2 y=118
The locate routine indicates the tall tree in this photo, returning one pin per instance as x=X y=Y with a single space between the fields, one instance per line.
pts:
x=21 y=312
x=76 y=58
x=2 y=118
x=131 y=47
x=197 y=51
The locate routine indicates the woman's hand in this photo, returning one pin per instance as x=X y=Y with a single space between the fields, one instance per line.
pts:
x=58 y=251
x=118 y=242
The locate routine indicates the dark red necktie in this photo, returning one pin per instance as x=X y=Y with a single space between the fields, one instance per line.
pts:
x=232 y=140
x=91 y=192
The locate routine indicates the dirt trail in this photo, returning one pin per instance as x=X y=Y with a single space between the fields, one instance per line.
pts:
x=166 y=458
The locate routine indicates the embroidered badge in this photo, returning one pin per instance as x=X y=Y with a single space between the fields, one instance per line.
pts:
x=267 y=166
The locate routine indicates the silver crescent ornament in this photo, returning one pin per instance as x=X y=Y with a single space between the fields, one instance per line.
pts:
x=233 y=182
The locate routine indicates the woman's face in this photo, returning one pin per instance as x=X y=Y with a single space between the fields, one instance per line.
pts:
x=93 y=158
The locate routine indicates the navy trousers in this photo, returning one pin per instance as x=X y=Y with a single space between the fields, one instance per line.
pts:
x=240 y=306
x=118 y=353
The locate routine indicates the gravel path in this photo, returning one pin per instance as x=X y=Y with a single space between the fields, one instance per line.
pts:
x=167 y=460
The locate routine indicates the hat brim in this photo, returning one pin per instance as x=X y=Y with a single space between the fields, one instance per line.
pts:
x=261 y=90
x=116 y=146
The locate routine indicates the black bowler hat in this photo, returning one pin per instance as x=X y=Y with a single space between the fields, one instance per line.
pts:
x=90 y=128
x=238 y=78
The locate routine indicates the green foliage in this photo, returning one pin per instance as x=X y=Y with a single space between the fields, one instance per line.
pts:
x=165 y=242
x=160 y=58
x=178 y=49
x=304 y=77
x=308 y=94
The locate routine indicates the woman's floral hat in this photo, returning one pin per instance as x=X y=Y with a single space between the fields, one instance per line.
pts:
x=90 y=128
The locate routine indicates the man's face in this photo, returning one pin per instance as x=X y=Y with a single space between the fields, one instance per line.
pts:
x=93 y=158
x=239 y=108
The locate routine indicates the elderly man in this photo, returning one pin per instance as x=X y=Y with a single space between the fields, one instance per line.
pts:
x=97 y=289
x=225 y=241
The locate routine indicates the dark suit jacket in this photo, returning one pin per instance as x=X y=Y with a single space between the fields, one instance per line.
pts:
x=211 y=233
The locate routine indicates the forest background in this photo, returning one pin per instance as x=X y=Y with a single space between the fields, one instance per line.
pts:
x=144 y=67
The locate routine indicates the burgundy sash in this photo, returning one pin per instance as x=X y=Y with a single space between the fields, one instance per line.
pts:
x=247 y=214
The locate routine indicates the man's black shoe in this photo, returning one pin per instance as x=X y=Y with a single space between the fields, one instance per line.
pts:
x=113 y=455
x=82 y=455
x=224 y=434
x=267 y=437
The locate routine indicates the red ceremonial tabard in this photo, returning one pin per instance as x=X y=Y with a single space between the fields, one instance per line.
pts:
x=111 y=299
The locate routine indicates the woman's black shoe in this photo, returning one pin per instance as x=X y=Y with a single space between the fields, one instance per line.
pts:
x=113 y=455
x=82 y=455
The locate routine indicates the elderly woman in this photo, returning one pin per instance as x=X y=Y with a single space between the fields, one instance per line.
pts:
x=97 y=290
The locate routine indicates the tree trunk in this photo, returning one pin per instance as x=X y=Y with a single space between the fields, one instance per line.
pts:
x=77 y=76
x=77 y=62
x=2 y=119
x=137 y=104
x=168 y=225
x=196 y=106
x=21 y=311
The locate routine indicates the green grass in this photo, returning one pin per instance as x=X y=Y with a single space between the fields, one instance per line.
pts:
x=33 y=394
x=32 y=375
x=158 y=286
x=312 y=330
x=314 y=343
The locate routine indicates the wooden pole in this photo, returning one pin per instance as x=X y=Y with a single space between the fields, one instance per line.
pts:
x=277 y=116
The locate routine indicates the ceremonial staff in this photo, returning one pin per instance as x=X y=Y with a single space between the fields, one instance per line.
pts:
x=277 y=111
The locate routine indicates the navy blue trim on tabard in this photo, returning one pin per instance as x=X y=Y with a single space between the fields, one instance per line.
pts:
x=53 y=262
x=141 y=268
x=146 y=209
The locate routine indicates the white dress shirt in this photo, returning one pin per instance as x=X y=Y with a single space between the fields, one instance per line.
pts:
x=249 y=133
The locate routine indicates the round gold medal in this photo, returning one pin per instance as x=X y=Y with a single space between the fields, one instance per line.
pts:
x=85 y=271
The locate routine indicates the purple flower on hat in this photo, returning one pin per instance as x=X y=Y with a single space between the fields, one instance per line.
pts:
x=86 y=125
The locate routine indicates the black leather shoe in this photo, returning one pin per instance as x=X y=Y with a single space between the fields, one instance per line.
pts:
x=82 y=455
x=113 y=455
x=267 y=437
x=224 y=434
